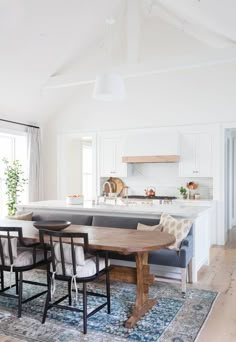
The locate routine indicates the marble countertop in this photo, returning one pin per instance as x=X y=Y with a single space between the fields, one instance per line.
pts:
x=130 y=209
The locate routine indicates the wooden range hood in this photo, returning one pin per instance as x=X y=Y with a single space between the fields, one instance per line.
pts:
x=151 y=159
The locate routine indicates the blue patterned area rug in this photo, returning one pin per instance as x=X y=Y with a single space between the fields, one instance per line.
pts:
x=174 y=318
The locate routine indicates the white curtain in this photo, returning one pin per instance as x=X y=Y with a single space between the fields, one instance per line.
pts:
x=34 y=164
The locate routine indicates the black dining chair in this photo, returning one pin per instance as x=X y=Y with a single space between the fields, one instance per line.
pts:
x=74 y=263
x=17 y=256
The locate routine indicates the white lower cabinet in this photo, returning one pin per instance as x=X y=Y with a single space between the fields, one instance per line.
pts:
x=201 y=242
x=111 y=151
x=195 y=155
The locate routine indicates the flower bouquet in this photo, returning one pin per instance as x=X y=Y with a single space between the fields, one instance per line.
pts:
x=191 y=186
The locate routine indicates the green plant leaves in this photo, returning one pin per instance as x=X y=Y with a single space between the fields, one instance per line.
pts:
x=14 y=182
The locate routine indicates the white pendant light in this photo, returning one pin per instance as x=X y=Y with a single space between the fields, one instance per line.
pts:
x=109 y=86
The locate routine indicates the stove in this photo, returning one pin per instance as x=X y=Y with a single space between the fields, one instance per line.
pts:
x=153 y=197
x=162 y=199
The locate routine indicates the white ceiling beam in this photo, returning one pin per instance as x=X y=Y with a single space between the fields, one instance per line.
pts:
x=194 y=29
x=147 y=68
x=133 y=30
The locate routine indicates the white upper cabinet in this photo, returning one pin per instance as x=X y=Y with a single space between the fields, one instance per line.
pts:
x=196 y=155
x=111 y=151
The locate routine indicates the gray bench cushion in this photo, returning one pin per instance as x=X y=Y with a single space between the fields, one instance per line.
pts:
x=85 y=220
x=122 y=222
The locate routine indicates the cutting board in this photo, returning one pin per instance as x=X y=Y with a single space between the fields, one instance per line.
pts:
x=117 y=185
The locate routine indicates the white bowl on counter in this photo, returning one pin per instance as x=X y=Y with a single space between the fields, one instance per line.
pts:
x=74 y=200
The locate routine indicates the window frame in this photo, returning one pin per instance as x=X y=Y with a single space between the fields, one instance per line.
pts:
x=13 y=135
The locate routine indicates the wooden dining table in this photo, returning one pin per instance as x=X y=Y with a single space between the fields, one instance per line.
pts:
x=123 y=241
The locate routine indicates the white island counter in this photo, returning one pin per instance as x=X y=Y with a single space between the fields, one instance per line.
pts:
x=201 y=216
x=133 y=209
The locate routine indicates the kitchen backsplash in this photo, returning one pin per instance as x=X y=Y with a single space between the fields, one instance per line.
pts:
x=164 y=177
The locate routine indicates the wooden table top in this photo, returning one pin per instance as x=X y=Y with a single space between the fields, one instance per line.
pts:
x=125 y=241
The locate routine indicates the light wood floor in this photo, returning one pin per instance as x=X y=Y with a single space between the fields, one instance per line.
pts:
x=8 y=339
x=219 y=276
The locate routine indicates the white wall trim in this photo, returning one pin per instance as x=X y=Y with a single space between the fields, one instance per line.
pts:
x=225 y=126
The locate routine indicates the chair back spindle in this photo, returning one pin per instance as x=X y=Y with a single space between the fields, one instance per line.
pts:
x=73 y=256
x=9 y=248
x=1 y=252
x=62 y=257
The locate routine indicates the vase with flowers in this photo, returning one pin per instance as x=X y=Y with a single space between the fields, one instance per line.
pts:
x=192 y=187
x=183 y=192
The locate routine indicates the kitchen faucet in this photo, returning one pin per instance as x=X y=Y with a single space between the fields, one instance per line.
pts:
x=110 y=193
x=110 y=189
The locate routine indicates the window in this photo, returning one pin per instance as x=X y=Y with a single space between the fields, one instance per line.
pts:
x=87 y=169
x=12 y=147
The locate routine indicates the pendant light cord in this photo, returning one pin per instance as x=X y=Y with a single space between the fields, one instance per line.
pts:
x=109 y=33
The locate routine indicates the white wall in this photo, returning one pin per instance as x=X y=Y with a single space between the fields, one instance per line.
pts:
x=203 y=95
x=197 y=96
x=175 y=98
x=164 y=177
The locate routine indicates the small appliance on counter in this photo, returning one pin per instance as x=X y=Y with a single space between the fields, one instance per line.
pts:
x=75 y=199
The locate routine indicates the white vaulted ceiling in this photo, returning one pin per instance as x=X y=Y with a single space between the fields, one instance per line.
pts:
x=37 y=38
x=45 y=40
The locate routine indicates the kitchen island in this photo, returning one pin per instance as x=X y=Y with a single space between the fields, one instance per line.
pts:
x=131 y=209
x=201 y=216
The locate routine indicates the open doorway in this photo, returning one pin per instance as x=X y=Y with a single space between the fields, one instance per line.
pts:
x=77 y=165
x=230 y=179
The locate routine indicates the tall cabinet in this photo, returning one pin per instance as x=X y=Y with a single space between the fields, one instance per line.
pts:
x=196 y=155
x=111 y=152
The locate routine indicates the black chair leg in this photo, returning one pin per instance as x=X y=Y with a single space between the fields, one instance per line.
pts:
x=48 y=298
x=49 y=282
x=85 y=307
x=17 y=285
x=69 y=292
x=108 y=292
x=20 y=284
x=2 y=280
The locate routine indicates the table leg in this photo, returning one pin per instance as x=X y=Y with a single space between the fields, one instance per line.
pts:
x=144 y=279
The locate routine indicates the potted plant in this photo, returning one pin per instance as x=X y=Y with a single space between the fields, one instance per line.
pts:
x=183 y=192
x=14 y=183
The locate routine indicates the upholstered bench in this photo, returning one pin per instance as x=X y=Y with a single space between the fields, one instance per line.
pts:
x=165 y=257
